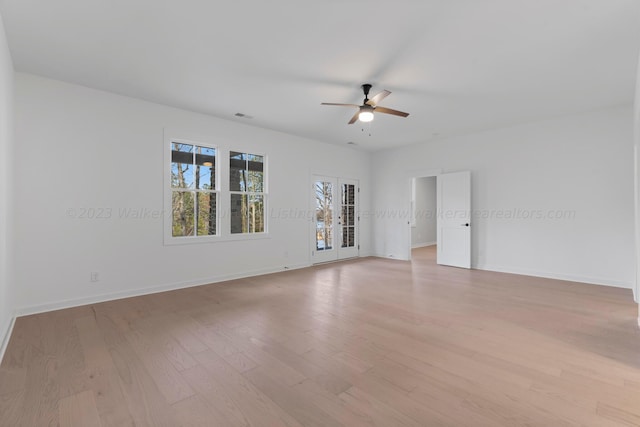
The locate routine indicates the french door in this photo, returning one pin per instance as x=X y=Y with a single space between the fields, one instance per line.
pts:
x=335 y=218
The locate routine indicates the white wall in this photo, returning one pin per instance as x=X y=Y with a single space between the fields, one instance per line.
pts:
x=580 y=163
x=425 y=231
x=6 y=147
x=636 y=162
x=80 y=148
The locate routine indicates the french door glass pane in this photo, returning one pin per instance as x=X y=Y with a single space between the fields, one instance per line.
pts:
x=324 y=215
x=348 y=217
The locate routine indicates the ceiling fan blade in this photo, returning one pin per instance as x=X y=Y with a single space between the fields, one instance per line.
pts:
x=391 y=111
x=340 y=105
x=379 y=97
x=354 y=118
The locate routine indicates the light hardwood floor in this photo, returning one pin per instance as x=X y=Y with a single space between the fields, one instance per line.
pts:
x=369 y=342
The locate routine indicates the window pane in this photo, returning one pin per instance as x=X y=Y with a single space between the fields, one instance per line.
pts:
x=182 y=206
x=324 y=215
x=181 y=165
x=328 y=239
x=239 y=213
x=324 y=203
x=256 y=214
x=246 y=175
x=255 y=163
x=348 y=194
x=205 y=168
x=348 y=237
x=237 y=171
x=254 y=183
x=320 y=239
x=206 y=211
x=236 y=155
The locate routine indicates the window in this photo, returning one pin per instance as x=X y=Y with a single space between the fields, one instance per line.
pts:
x=211 y=194
x=194 y=190
x=248 y=196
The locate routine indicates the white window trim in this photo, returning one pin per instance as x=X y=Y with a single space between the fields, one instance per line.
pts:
x=264 y=193
x=223 y=224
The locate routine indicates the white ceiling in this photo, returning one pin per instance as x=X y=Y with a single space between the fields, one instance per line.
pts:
x=455 y=65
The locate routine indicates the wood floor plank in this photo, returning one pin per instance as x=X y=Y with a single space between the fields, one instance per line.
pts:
x=12 y=404
x=222 y=345
x=304 y=410
x=366 y=343
x=261 y=358
x=215 y=394
x=617 y=414
x=79 y=410
x=195 y=411
x=146 y=404
x=166 y=377
x=322 y=377
x=157 y=333
x=258 y=409
x=382 y=413
x=42 y=388
x=101 y=374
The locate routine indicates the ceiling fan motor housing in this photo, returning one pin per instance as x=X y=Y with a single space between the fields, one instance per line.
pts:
x=366 y=88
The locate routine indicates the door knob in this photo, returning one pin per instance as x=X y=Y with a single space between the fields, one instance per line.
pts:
x=465 y=224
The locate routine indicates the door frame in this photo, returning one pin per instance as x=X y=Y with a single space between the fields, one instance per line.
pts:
x=338 y=251
x=409 y=186
x=428 y=173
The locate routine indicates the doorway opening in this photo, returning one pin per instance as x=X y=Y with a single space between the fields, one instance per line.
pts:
x=424 y=210
x=452 y=212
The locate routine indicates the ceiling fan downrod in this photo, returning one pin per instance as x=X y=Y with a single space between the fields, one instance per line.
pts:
x=366 y=88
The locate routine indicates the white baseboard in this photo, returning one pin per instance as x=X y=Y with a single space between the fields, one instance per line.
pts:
x=5 y=335
x=537 y=273
x=390 y=256
x=558 y=276
x=422 y=245
x=94 y=299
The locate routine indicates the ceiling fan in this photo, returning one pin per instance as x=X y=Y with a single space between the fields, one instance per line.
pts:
x=365 y=111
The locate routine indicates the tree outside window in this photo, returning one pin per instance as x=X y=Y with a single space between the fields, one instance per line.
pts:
x=248 y=196
x=194 y=191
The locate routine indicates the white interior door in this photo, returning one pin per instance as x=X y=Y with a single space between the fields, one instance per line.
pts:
x=335 y=219
x=454 y=224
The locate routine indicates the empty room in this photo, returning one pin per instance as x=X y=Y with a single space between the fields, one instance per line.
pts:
x=338 y=213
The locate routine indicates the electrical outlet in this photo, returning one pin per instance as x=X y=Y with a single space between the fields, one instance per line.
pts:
x=94 y=276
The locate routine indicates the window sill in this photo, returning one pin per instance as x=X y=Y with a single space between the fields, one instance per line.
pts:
x=197 y=240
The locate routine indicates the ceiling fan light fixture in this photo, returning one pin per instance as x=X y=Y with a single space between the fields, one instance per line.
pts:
x=366 y=114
